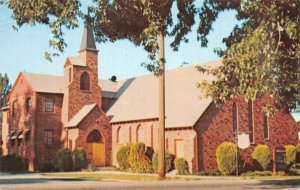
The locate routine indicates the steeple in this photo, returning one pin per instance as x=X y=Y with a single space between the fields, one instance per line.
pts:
x=88 y=41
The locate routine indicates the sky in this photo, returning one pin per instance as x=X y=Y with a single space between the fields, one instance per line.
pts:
x=23 y=50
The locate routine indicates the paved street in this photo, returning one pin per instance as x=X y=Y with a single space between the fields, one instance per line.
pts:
x=36 y=181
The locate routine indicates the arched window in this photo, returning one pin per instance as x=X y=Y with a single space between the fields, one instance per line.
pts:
x=85 y=81
x=251 y=121
x=234 y=117
x=140 y=134
x=118 y=134
x=95 y=137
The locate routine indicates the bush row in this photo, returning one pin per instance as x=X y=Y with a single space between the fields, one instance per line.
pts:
x=227 y=151
x=13 y=163
x=65 y=160
x=133 y=157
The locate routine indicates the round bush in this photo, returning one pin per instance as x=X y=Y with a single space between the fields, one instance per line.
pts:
x=226 y=158
x=63 y=160
x=181 y=166
x=79 y=159
x=122 y=157
x=135 y=155
x=45 y=166
x=290 y=154
x=169 y=161
x=261 y=155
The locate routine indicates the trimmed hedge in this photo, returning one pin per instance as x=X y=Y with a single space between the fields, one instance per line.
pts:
x=132 y=157
x=79 y=159
x=122 y=157
x=257 y=173
x=226 y=158
x=13 y=163
x=261 y=154
x=63 y=160
x=181 y=166
x=137 y=159
x=290 y=154
x=46 y=166
x=169 y=161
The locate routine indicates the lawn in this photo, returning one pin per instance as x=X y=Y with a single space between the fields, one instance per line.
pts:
x=141 y=177
x=99 y=176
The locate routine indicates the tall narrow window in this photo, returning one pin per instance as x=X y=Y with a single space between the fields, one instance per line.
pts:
x=70 y=75
x=139 y=134
x=49 y=137
x=129 y=131
x=14 y=107
x=266 y=126
x=49 y=105
x=234 y=117
x=118 y=135
x=251 y=123
x=28 y=104
x=85 y=81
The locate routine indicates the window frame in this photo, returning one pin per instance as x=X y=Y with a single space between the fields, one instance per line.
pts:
x=266 y=127
x=47 y=109
x=85 y=81
x=48 y=139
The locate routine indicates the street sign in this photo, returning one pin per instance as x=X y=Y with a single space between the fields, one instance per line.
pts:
x=243 y=140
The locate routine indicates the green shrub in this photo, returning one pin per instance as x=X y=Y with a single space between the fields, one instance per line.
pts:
x=226 y=158
x=12 y=163
x=181 y=166
x=261 y=154
x=169 y=161
x=45 y=166
x=122 y=157
x=63 y=160
x=137 y=159
x=290 y=154
x=91 y=167
x=79 y=159
x=257 y=173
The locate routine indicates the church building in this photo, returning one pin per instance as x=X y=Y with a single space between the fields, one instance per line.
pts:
x=47 y=113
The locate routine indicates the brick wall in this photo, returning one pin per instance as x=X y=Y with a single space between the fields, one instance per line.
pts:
x=216 y=126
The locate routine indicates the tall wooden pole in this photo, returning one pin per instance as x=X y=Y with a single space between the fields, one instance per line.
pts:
x=161 y=91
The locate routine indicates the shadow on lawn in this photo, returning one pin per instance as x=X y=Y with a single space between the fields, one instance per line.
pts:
x=278 y=184
x=35 y=180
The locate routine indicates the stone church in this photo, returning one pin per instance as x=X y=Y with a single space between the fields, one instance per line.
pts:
x=47 y=113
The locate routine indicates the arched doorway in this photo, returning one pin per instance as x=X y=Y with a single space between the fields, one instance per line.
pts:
x=96 y=148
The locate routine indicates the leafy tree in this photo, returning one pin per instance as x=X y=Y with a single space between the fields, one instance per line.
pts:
x=262 y=55
x=4 y=89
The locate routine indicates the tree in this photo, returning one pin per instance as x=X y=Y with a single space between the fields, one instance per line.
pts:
x=262 y=55
x=4 y=90
x=146 y=23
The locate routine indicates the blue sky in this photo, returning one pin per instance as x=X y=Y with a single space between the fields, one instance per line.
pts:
x=24 y=50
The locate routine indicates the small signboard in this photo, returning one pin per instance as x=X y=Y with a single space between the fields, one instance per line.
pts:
x=243 y=141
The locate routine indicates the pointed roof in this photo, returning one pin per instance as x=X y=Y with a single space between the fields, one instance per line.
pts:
x=88 y=41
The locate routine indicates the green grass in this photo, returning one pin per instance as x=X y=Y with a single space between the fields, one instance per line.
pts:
x=100 y=177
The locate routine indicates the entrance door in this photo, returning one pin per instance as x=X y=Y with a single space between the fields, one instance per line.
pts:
x=96 y=148
x=179 y=149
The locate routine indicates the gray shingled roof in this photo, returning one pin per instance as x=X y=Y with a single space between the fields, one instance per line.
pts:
x=45 y=83
x=85 y=110
x=139 y=98
x=54 y=84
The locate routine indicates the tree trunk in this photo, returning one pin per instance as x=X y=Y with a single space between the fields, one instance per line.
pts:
x=161 y=91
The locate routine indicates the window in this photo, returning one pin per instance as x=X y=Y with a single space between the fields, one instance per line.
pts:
x=234 y=117
x=70 y=75
x=85 y=81
x=266 y=126
x=28 y=104
x=14 y=107
x=140 y=136
x=49 y=105
x=118 y=134
x=48 y=137
x=251 y=123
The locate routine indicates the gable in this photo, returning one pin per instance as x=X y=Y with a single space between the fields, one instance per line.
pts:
x=21 y=86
